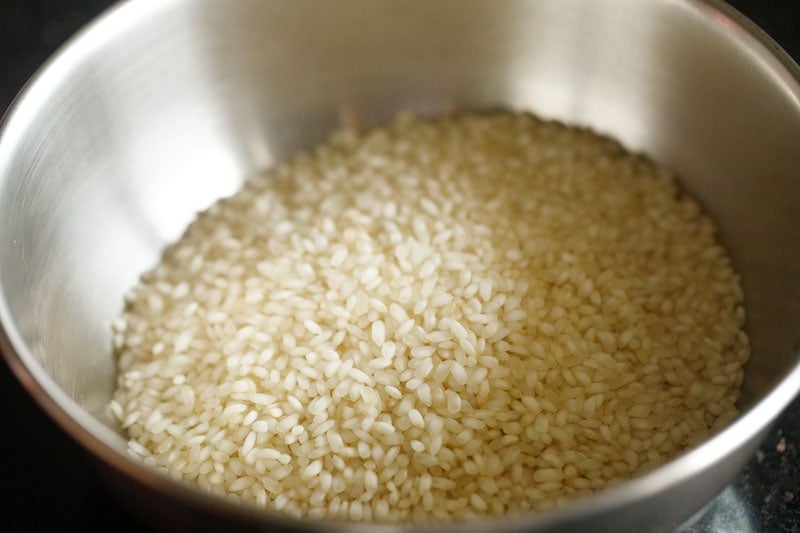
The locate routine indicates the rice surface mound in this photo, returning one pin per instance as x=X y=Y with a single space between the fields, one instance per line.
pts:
x=433 y=321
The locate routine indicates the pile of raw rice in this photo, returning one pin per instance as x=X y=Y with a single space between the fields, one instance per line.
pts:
x=432 y=321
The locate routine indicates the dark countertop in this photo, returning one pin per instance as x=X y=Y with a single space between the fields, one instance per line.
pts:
x=45 y=479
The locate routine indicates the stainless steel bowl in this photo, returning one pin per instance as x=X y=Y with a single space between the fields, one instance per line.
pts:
x=160 y=107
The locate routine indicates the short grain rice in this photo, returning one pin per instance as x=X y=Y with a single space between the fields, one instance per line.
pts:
x=434 y=320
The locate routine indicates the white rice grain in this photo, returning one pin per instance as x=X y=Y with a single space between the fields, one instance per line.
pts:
x=434 y=321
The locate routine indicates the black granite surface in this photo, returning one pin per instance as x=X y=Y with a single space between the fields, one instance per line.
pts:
x=45 y=480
